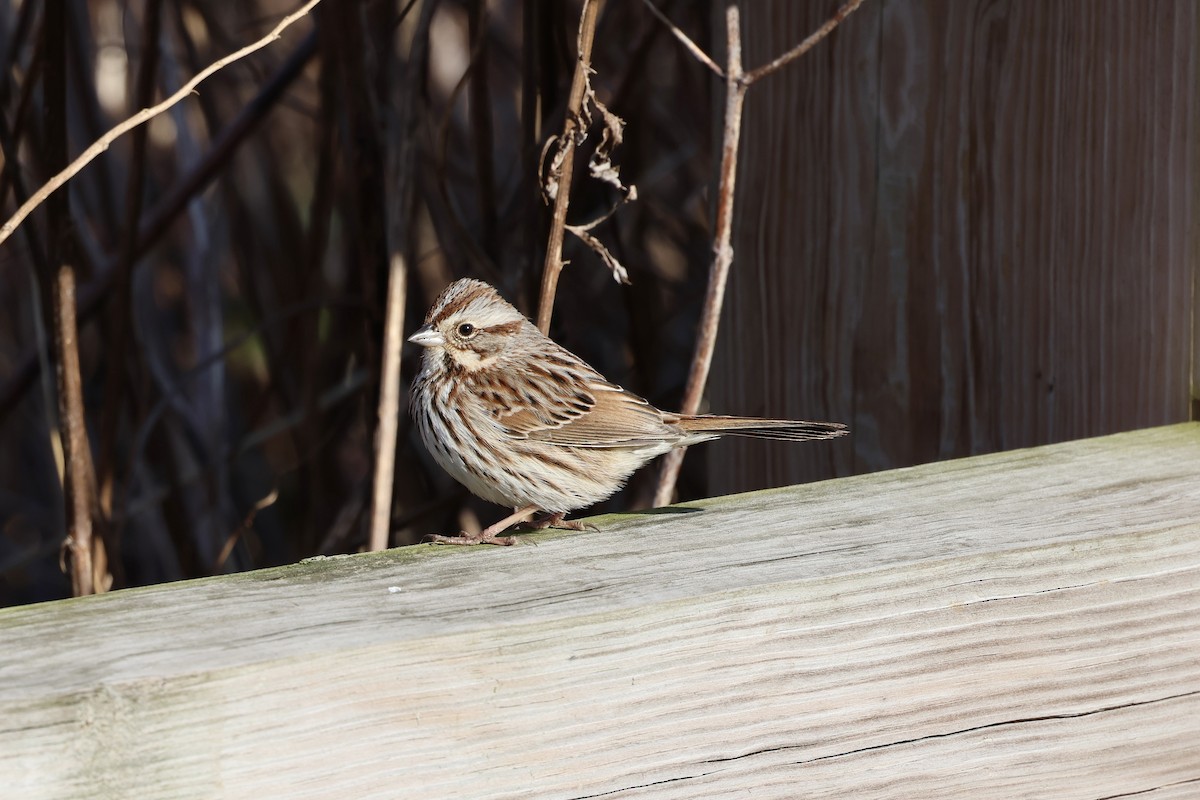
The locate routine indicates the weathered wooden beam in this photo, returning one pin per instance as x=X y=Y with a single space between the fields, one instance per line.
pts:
x=1018 y=624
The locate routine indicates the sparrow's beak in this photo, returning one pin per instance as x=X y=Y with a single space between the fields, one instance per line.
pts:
x=426 y=336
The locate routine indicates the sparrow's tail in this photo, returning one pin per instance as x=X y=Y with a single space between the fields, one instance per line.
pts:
x=786 y=429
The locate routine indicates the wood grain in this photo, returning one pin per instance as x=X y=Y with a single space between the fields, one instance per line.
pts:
x=962 y=227
x=1025 y=624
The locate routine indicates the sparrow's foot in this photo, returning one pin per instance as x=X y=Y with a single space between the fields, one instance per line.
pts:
x=468 y=539
x=557 y=521
x=490 y=534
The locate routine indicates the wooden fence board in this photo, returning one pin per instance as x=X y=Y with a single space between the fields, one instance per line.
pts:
x=1019 y=624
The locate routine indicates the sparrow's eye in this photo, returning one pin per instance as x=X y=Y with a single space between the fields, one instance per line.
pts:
x=466 y=330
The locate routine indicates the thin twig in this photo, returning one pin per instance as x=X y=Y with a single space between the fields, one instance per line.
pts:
x=399 y=120
x=736 y=84
x=83 y=550
x=247 y=523
x=686 y=41
x=802 y=48
x=78 y=478
x=104 y=142
x=389 y=400
x=735 y=96
x=554 y=263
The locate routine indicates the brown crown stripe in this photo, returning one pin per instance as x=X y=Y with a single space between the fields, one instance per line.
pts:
x=458 y=301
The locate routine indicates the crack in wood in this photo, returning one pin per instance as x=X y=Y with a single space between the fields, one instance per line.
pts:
x=644 y=785
x=959 y=732
x=1151 y=789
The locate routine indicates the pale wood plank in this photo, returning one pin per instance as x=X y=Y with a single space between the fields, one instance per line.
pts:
x=1025 y=624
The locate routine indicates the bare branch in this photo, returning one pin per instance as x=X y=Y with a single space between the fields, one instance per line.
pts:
x=87 y=560
x=736 y=84
x=710 y=317
x=104 y=142
x=686 y=41
x=563 y=162
x=808 y=44
x=399 y=121
x=388 y=420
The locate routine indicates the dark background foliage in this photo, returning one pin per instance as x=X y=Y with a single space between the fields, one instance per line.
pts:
x=961 y=226
x=231 y=315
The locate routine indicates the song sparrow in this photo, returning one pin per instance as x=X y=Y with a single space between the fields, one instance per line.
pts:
x=522 y=422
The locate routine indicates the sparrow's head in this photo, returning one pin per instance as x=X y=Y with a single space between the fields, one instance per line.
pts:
x=470 y=324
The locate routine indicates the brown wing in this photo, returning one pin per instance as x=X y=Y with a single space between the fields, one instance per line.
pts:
x=595 y=413
x=619 y=419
